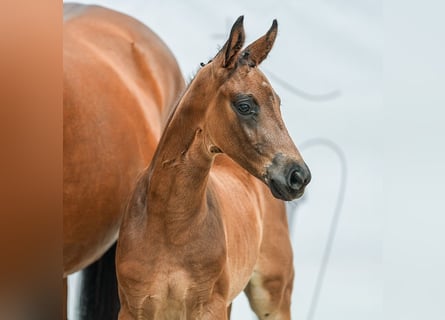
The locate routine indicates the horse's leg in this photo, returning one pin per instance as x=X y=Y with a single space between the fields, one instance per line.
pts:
x=98 y=290
x=214 y=309
x=229 y=311
x=124 y=314
x=64 y=298
x=269 y=296
x=270 y=287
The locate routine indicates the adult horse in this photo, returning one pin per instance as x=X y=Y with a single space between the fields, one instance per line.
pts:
x=202 y=224
x=120 y=81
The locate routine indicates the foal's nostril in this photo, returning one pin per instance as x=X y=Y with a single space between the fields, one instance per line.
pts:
x=287 y=178
x=296 y=179
x=299 y=177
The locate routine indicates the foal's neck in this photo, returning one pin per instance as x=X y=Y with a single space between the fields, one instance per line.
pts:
x=181 y=165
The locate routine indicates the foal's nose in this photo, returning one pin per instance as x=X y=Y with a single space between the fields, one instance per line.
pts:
x=298 y=177
x=287 y=178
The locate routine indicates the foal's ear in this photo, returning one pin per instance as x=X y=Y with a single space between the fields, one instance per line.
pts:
x=257 y=51
x=229 y=52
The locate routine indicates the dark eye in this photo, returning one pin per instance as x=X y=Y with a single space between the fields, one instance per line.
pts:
x=244 y=108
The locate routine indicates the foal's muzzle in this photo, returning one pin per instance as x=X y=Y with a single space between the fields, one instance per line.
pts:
x=287 y=178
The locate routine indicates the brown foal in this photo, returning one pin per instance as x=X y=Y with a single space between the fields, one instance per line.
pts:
x=202 y=224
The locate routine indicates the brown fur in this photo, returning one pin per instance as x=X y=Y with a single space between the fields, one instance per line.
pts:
x=201 y=226
x=120 y=81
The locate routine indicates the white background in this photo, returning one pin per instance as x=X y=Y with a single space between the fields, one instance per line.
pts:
x=387 y=259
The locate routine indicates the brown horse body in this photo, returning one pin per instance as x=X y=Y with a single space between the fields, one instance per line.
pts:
x=200 y=226
x=120 y=81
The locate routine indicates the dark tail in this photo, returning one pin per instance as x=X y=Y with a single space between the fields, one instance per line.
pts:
x=99 y=298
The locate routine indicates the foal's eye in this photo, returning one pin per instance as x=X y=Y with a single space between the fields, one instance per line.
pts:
x=245 y=105
x=244 y=108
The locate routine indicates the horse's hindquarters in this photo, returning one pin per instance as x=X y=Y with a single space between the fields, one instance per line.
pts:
x=119 y=81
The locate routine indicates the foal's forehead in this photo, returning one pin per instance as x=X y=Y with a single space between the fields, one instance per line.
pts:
x=255 y=82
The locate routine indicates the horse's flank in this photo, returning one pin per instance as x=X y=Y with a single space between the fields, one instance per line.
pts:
x=120 y=81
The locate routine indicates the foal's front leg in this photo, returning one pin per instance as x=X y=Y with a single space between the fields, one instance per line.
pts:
x=229 y=311
x=270 y=287
x=216 y=309
x=269 y=296
x=215 y=313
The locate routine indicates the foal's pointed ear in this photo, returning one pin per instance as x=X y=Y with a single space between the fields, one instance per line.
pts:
x=229 y=52
x=257 y=51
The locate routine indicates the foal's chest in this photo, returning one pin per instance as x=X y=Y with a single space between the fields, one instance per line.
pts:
x=172 y=294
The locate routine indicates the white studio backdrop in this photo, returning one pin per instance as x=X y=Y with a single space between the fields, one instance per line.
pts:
x=327 y=66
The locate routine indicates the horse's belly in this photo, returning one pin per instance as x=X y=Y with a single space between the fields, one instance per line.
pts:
x=104 y=152
x=106 y=145
x=108 y=141
x=119 y=78
x=87 y=235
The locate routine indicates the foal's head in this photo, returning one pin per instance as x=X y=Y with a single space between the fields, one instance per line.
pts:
x=243 y=117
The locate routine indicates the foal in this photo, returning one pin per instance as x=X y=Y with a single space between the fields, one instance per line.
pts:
x=199 y=227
